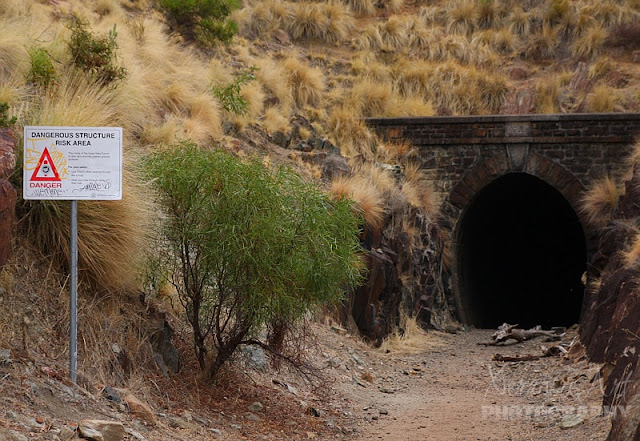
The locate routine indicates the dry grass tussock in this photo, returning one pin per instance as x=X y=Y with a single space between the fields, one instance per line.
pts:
x=306 y=83
x=601 y=200
x=410 y=338
x=368 y=198
x=631 y=255
x=349 y=132
x=590 y=43
x=548 y=97
x=111 y=234
x=330 y=22
x=361 y=7
x=602 y=99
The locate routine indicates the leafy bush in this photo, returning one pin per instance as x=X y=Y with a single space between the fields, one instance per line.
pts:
x=42 y=71
x=246 y=247
x=229 y=95
x=96 y=55
x=5 y=121
x=202 y=20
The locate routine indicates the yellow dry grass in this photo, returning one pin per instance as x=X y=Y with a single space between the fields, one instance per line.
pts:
x=600 y=68
x=368 y=199
x=589 y=44
x=600 y=201
x=306 y=82
x=548 y=98
x=602 y=99
x=631 y=255
x=361 y=7
x=410 y=338
x=349 y=132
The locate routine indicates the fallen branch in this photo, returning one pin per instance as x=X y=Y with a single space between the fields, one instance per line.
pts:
x=546 y=352
x=508 y=332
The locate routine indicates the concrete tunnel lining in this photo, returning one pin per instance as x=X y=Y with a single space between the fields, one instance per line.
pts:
x=521 y=253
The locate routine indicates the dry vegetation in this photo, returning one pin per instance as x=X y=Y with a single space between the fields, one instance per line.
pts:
x=347 y=60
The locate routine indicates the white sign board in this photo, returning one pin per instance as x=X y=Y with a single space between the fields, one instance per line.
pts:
x=72 y=163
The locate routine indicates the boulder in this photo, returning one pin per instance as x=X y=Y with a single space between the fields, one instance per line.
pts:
x=139 y=409
x=335 y=166
x=101 y=430
x=7 y=154
x=519 y=101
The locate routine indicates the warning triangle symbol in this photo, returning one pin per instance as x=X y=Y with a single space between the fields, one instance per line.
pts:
x=46 y=169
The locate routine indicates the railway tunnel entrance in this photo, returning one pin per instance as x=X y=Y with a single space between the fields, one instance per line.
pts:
x=521 y=253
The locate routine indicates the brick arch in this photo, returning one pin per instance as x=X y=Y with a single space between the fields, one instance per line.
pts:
x=514 y=160
x=517 y=160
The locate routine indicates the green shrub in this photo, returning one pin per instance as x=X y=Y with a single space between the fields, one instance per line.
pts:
x=42 y=71
x=246 y=247
x=202 y=20
x=5 y=121
x=96 y=55
x=229 y=95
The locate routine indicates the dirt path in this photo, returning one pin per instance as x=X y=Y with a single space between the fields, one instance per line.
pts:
x=452 y=390
x=424 y=387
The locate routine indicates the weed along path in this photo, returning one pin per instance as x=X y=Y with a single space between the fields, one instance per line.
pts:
x=447 y=387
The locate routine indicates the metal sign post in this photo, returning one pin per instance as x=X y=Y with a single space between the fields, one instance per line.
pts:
x=73 y=304
x=72 y=163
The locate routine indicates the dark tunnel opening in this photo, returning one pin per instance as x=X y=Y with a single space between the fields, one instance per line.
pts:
x=521 y=255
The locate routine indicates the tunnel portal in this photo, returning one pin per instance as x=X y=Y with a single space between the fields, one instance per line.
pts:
x=521 y=253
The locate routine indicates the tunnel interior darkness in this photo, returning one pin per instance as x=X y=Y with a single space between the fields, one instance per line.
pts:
x=521 y=255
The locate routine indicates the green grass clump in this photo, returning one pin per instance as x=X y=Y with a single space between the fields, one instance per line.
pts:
x=205 y=21
x=96 y=55
x=42 y=72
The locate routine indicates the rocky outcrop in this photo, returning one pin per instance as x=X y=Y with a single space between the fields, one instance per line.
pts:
x=400 y=278
x=7 y=193
x=611 y=319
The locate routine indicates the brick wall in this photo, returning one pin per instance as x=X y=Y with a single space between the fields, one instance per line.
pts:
x=588 y=145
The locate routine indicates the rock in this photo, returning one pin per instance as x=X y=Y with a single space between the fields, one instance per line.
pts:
x=66 y=434
x=580 y=81
x=139 y=409
x=570 y=421
x=282 y=37
x=236 y=426
x=177 y=423
x=281 y=139
x=11 y=435
x=519 y=101
x=519 y=73
x=216 y=432
x=616 y=79
x=167 y=357
x=5 y=356
x=7 y=153
x=383 y=412
x=134 y=434
x=8 y=197
x=314 y=412
x=256 y=356
x=252 y=417
x=255 y=407
x=101 y=430
x=110 y=394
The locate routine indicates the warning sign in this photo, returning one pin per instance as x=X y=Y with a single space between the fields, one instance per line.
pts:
x=46 y=169
x=72 y=163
